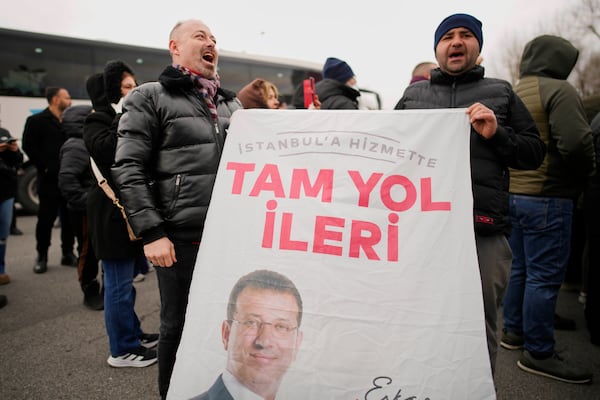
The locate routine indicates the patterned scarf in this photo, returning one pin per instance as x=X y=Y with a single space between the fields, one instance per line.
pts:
x=206 y=87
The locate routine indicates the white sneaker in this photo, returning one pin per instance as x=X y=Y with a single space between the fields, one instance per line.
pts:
x=140 y=357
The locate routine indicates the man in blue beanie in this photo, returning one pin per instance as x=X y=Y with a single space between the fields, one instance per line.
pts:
x=337 y=90
x=503 y=135
x=459 y=21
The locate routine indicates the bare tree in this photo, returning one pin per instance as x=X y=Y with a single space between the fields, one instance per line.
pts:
x=512 y=60
x=587 y=16
x=586 y=75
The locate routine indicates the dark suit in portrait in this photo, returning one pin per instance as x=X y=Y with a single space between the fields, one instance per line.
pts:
x=217 y=391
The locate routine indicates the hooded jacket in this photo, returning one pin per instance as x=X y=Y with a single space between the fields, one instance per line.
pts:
x=74 y=175
x=168 y=152
x=516 y=143
x=560 y=117
x=251 y=95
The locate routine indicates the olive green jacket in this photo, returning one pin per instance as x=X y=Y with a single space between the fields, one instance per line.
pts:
x=560 y=118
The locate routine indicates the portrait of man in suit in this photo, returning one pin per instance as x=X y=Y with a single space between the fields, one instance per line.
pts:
x=261 y=336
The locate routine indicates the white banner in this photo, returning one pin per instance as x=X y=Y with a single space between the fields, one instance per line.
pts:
x=368 y=218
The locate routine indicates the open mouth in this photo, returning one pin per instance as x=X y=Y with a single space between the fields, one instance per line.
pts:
x=455 y=55
x=209 y=58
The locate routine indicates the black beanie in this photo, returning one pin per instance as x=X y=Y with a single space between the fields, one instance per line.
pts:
x=113 y=75
x=337 y=69
x=459 y=21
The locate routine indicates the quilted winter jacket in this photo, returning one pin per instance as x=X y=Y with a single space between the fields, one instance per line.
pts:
x=167 y=155
x=74 y=175
x=516 y=143
x=334 y=95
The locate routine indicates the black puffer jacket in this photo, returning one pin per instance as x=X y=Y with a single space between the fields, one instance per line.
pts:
x=74 y=175
x=167 y=156
x=334 y=95
x=516 y=144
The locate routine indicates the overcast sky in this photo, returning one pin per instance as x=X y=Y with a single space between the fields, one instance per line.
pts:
x=382 y=40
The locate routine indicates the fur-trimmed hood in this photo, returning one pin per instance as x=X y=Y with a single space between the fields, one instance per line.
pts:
x=95 y=89
x=113 y=75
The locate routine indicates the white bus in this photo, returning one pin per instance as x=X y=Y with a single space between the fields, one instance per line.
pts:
x=31 y=62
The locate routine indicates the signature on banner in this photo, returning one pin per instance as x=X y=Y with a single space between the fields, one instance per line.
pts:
x=382 y=387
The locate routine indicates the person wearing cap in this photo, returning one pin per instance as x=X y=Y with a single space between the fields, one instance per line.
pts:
x=11 y=159
x=503 y=135
x=541 y=207
x=337 y=90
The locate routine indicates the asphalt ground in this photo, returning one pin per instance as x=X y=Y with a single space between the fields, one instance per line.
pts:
x=53 y=347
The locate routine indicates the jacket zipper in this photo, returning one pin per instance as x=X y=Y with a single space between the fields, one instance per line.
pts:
x=216 y=132
x=453 y=97
x=176 y=190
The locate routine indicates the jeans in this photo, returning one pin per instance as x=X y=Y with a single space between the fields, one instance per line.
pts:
x=122 y=323
x=6 y=213
x=174 y=286
x=540 y=242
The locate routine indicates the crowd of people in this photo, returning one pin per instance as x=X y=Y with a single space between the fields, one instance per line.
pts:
x=533 y=154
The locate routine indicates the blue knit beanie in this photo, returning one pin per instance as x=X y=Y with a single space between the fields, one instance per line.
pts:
x=337 y=69
x=459 y=21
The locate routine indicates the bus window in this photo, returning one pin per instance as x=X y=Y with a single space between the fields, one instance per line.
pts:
x=235 y=74
x=30 y=65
